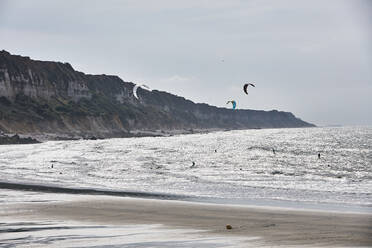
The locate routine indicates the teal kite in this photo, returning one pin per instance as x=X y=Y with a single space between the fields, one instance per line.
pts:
x=233 y=103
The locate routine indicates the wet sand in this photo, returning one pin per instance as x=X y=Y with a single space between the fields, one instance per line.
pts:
x=273 y=226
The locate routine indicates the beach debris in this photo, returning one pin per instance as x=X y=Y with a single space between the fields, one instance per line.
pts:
x=245 y=87
x=143 y=86
x=233 y=102
x=270 y=225
x=228 y=227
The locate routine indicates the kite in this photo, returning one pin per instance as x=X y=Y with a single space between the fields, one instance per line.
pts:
x=245 y=87
x=143 y=86
x=233 y=103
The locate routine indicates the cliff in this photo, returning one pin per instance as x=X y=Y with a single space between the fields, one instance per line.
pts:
x=41 y=97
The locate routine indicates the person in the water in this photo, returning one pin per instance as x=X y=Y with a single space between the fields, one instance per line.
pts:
x=319 y=155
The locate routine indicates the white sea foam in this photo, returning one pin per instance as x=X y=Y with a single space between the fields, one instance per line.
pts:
x=244 y=166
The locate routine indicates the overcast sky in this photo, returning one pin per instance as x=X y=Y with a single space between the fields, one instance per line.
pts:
x=313 y=58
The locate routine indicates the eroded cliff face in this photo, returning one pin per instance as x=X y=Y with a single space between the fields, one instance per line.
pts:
x=38 y=97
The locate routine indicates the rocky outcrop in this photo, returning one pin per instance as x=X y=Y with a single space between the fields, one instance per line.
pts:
x=15 y=139
x=40 y=97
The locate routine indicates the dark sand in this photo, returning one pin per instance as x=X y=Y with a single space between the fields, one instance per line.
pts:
x=275 y=226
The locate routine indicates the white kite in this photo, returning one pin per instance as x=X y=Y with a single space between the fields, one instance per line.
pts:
x=143 y=86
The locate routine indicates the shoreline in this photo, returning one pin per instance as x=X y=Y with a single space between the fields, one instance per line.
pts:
x=43 y=137
x=274 y=226
x=40 y=138
x=255 y=203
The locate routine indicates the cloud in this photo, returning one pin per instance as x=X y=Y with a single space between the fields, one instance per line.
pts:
x=296 y=51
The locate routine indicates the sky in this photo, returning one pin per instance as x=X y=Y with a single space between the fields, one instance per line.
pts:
x=312 y=58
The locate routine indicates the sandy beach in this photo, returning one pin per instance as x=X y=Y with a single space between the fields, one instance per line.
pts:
x=269 y=226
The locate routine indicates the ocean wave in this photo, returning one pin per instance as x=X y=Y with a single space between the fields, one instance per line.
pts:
x=86 y=191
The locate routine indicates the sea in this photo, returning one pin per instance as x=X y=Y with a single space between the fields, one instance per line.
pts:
x=322 y=168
